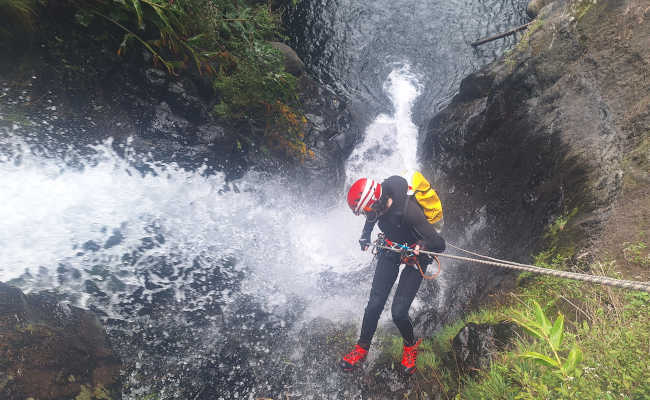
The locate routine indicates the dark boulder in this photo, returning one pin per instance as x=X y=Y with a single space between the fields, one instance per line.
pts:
x=475 y=344
x=538 y=136
x=50 y=350
x=292 y=63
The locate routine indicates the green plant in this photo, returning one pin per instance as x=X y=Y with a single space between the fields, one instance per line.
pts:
x=540 y=327
x=226 y=40
x=167 y=29
x=16 y=15
x=636 y=253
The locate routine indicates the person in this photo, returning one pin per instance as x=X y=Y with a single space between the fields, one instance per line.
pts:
x=402 y=220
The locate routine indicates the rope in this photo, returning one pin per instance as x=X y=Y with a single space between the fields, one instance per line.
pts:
x=603 y=280
x=407 y=256
x=414 y=261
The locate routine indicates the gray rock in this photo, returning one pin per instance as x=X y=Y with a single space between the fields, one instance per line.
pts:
x=156 y=77
x=537 y=134
x=475 y=344
x=166 y=122
x=292 y=63
x=183 y=98
x=210 y=133
x=52 y=351
x=535 y=6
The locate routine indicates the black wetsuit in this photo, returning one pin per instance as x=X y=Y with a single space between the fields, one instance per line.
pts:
x=403 y=222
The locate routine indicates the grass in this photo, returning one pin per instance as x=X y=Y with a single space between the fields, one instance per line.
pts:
x=610 y=327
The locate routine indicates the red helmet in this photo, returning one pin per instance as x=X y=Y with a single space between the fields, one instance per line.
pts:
x=363 y=194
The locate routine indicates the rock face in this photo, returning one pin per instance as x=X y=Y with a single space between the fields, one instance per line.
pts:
x=292 y=63
x=53 y=351
x=475 y=344
x=535 y=6
x=540 y=135
x=77 y=90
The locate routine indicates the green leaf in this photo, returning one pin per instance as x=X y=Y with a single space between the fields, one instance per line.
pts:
x=83 y=18
x=543 y=322
x=574 y=358
x=541 y=358
x=556 y=332
x=209 y=54
x=138 y=11
x=125 y=40
x=529 y=326
x=195 y=39
x=163 y=18
x=225 y=27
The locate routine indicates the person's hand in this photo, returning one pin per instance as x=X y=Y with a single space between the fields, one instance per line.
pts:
x=364 y=243
x=416 y=250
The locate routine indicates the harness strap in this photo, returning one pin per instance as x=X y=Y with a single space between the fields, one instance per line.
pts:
x=407 y=258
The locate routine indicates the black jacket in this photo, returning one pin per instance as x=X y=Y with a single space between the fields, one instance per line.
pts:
x=404 y=221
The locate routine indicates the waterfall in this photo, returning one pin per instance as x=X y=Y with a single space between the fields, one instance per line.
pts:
x=154 y=247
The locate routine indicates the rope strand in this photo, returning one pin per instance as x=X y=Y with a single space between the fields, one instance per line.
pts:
x=625 y=284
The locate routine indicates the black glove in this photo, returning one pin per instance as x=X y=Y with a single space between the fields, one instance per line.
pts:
x=364 y=242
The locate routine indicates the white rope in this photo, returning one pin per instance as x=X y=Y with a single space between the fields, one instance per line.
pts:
x=604 y=280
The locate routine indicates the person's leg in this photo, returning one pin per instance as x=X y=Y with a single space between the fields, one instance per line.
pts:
x=383 y=280
x=385 y=275
x=407 y=288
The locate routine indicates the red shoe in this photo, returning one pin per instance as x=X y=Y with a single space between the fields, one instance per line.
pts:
x=354 y=358
x=410 y=358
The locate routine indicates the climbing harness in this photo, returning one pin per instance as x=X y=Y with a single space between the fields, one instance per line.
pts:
x=407 y=255
x=407 y=251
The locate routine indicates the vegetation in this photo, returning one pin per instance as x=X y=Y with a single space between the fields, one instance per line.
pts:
x=16 y=16
x=610 y=327
x=551 y=333
x=224 y=41
x=596 y=348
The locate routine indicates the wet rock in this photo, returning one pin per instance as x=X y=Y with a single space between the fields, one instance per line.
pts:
x=535 y=6
x=537 y=134
x=210 y=133
x=50 y=350
x=475 y=344
x=156 y=77
x=184 y=99
x=165 y=122
x=292 y=63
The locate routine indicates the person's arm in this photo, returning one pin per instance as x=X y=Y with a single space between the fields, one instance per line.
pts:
x=364 y=242
x=428 y=238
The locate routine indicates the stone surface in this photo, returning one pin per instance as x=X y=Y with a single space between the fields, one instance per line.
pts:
x=292 y=63
x=535 y=6
x=540 y=135
x=475 y=344
x=98 y=95
x=50 y=350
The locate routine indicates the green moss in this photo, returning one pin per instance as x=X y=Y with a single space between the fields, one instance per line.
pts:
x=581 y=8
x=150 y=396
x=532 y=28
x=10 y=118
x=637 y=165
x=511 y=55
x=99 y=392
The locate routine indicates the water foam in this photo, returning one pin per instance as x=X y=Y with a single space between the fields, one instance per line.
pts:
x=390 y=144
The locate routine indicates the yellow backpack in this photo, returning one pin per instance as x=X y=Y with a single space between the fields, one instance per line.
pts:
x=428 y=199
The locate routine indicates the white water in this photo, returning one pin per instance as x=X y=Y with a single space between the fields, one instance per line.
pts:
x=93 y=220
x=49 y=210
x=390 y=144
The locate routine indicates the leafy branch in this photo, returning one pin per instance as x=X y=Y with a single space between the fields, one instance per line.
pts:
x=552 y=334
